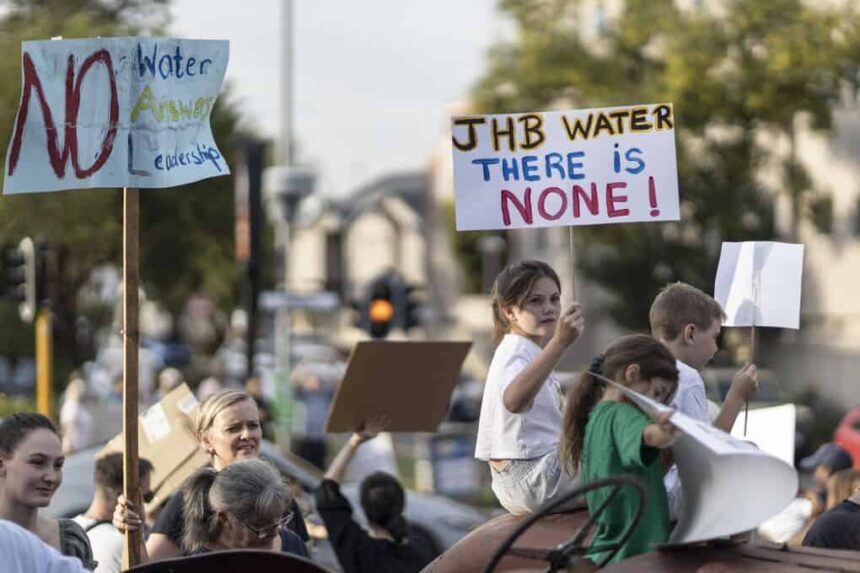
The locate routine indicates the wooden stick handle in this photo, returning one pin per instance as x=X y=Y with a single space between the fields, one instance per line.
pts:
x=130 y=335
x=572 y=265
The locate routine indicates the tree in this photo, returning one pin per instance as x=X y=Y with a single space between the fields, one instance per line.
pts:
x=186 y=233
x=741 y=76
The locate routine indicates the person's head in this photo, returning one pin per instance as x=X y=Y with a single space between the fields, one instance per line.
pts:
x=169 y=379
x=827 y=459
x=688 y=321
x=228 y=427
x=526 y=301
x=841 y=485
x=107 y=477
x=31 y=459
x=636 y=361
x=241 y=506
x=76 y=389
x=383 y=500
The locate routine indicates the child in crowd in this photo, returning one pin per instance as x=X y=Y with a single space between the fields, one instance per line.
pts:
x=521 y=411
x=688 y=322
x=605 y=435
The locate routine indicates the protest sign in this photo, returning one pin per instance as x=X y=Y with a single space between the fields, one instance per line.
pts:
x=168 y=441
x=581 y=167
x=116 y=112
x=759 y=283
x=728 y=485
x=773 y=430
x=408 y=381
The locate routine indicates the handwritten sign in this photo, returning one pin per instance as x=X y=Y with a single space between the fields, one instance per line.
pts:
x=582 y=167
x=758 y=283
x=116 y=112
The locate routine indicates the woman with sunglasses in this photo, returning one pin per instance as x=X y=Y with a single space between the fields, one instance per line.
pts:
x=31 y=470
x=228 y=428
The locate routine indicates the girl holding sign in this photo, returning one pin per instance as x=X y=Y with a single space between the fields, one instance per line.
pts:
x=521 y=412
x=605 y=435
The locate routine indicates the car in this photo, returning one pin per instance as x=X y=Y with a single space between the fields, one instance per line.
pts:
x=437 y=522
x=847 y=434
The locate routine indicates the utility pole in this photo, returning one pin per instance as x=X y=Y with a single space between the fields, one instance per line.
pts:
x=282 y=318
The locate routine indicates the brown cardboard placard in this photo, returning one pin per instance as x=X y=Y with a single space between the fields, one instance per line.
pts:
x=408 y=381
x=167 y=440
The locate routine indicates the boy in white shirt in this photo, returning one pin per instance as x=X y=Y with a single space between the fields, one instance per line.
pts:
x=688 y=322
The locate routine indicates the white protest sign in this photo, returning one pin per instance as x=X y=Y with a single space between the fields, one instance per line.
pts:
x=759 y=283
x=772 y=429
x=581 y=167
x=116 y=112
x=729 y=486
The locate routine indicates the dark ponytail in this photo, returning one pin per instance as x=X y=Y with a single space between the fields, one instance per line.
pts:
x=201 y=527
x=383 y=501
x=652 y=357
x=583 y=397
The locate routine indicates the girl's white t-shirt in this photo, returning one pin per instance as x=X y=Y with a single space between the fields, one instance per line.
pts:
x=504 y=435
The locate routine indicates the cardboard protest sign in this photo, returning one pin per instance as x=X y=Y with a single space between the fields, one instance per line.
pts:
x=565 y=168
x=408 y=381
x=759 y=283
x=168 y=441
x=116 y=112
x=729 y=485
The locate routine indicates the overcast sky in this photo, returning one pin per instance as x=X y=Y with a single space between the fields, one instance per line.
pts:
x=372 y=79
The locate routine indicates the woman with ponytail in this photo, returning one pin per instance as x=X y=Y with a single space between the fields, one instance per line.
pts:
x=384 y=549
x=603 y=435
x=241 y=507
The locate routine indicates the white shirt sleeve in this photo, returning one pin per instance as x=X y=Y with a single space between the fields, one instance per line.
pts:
x=23 y=552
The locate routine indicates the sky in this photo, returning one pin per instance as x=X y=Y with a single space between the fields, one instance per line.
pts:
x=373 y=80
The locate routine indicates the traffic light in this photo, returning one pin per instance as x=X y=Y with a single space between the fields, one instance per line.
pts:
x=413 y=308
x=380 y=308
x=21 y=277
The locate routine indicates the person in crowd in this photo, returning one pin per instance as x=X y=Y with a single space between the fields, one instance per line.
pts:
x=169 y=379
x=608 y=436
x=518 y=430
x=31 y=470
x=688 y=322
x=385 y=548
x=76 y=421
x=104 y=538
x=828 y=459
x=23 y=552
x=228 y=427
x=313 y=387
x=838 y=527
x=254 y=388
x=243 y=506
x=841 y=485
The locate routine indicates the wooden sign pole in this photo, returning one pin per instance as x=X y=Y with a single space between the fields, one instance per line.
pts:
x=130 y=339
x=572 y=265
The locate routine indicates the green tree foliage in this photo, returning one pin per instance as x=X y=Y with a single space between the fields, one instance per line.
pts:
x=186 y=232
x=740 y=75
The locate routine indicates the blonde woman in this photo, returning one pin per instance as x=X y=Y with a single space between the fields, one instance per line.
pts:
x=228 y=428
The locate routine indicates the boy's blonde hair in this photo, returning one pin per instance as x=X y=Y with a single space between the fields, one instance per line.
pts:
x=680 y=304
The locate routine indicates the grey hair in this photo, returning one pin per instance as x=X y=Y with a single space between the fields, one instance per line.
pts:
x=245 y=489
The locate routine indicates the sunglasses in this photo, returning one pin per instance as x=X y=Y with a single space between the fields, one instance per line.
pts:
x=271 y=530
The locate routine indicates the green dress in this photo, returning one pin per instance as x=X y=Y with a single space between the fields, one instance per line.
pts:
x=613 y=446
